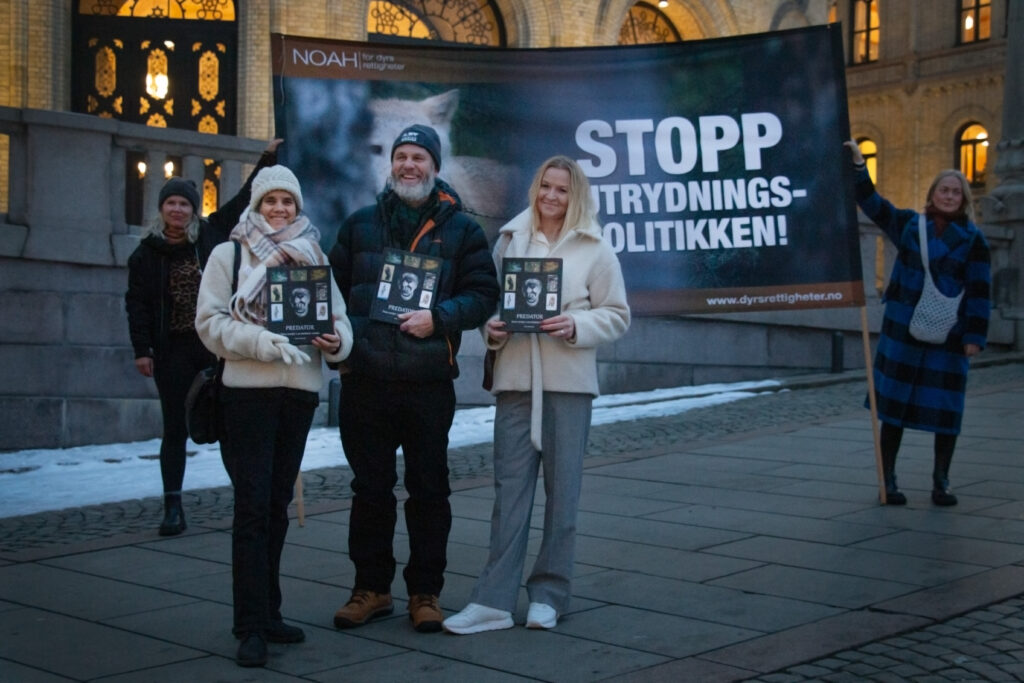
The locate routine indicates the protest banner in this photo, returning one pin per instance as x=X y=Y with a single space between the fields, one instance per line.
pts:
x=716 y=166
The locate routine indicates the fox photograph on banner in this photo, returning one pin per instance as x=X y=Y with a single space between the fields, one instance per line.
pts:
x=716 y=166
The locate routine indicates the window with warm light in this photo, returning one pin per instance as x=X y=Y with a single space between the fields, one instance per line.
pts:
x=972 y=153
x=974 y=21
x=472 y=22
x=209 y=10
x=865 y=27
x=162 y=63
x=645 y=24
x=833 y=12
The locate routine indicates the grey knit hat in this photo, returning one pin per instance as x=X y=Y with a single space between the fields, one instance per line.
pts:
x=179 y=187
x=422 y=136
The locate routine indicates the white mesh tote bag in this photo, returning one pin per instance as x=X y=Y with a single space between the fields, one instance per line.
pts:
x=935 y=313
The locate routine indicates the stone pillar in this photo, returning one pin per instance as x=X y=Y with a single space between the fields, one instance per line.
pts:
x=1003 y=208
x=1010 y=150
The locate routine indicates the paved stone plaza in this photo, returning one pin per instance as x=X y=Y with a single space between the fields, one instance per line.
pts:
x=738 y=542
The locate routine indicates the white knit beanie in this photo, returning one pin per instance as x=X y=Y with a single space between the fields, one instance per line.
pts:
x=274 y=178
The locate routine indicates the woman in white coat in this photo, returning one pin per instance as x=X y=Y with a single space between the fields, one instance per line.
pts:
x=271 y=390
x=544 y=385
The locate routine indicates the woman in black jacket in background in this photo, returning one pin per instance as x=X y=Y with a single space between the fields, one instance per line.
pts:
x=163 y=282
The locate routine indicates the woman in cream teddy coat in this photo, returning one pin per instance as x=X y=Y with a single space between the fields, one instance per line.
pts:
x=271 y=390
x=545 y=384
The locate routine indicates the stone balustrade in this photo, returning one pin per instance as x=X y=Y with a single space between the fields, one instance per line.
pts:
x=67 y=180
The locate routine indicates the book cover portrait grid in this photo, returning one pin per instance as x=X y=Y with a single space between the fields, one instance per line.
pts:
x=531 y=291
x=407 y=282
x=300 y=302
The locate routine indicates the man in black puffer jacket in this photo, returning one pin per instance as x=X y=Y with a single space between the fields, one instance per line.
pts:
x=397 y=384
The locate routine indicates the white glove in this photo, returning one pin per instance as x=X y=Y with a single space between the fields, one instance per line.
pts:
x=291 y=353
x=267 y=348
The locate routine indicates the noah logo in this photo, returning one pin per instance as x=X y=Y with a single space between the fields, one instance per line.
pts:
x=321 y=58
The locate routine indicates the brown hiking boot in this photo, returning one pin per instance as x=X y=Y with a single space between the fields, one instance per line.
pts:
x=425 y=613
x=361 y=607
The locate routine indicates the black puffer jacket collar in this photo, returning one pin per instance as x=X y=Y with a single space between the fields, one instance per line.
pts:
x=466 y=293
x=442 y=203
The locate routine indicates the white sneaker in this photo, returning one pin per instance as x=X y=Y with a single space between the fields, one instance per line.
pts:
x=541 y=616
x=476 y=618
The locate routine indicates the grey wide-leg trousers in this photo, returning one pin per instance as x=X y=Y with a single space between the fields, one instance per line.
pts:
x=566 y=424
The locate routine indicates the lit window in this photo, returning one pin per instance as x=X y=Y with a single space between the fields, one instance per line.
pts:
x=209 y=10
x=972 y=153
x=833 y=12
x=865 y=26
x=974 y=20
x=646 y=24
x=474 y=23
x=156 y=74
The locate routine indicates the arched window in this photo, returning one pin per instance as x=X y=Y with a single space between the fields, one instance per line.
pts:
x=473 y=22
x=974 y=21
x=646 y=24
x=207 y=10
x=163 y=63
x=864 y=27
x=972 y=153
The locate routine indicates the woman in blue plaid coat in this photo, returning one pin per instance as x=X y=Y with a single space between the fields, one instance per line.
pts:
x=917 y=384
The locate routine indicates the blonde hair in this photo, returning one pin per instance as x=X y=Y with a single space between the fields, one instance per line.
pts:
x=156 y=227
x=581 y=205
x=967 y=205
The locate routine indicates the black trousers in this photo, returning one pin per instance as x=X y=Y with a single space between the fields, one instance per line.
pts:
x=175 y=365
x=264 y=438
x=375 y=419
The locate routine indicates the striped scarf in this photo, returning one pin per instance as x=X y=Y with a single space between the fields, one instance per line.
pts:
x=298 y=243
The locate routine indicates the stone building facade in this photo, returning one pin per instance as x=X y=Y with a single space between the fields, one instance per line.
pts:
x=65 y=365
x=925 y=85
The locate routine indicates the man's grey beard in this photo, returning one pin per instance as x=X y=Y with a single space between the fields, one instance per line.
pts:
x=414 y=194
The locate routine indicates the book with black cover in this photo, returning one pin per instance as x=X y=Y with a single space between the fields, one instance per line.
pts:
x=531 y=290
x=299 y=300
x=407 y=282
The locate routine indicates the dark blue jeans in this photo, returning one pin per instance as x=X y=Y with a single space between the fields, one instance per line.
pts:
x=375 y=418
x=264 y=438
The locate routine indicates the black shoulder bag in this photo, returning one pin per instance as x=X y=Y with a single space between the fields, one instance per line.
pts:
x=202 y=407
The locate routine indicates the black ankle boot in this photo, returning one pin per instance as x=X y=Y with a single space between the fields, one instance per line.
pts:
x=941 y=493
x=252 y=651
x=893 y=495
x=174 y=515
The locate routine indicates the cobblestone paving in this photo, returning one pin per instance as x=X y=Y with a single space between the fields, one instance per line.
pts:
x=984 y=645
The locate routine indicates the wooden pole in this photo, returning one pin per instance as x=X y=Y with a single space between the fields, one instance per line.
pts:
x=300 y=505
x=872 y=402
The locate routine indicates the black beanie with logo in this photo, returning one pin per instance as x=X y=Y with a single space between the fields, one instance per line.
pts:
x=422 y=136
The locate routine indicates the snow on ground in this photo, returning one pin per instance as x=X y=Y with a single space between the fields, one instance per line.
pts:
x=51 y=479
